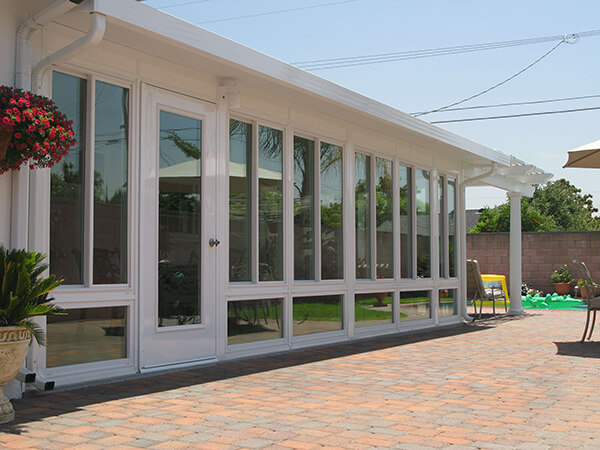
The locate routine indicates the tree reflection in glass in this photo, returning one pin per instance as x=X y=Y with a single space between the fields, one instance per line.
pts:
x=332 y=231
x=270 y=204
x=304 y=227
x=179 y=204
x=406 y=225
x=384 y=222
x=362 y=197
x=423 y=224
x=110 y=183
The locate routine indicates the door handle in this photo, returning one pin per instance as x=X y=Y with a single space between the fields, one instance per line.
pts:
x=213 y=242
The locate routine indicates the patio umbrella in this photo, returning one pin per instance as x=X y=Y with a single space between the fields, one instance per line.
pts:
x=587 y=156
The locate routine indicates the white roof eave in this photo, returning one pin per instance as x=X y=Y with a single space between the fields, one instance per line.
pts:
x=184 y=34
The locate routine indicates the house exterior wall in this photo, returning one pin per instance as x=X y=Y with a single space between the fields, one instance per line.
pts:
x=119 y=309
x=542 y=254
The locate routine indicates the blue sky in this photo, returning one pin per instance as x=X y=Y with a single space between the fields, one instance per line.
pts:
x=364 y=27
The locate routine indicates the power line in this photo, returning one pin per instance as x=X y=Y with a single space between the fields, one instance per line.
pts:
x=510 y=116
x=280 y=11
x=336 y=63
x=496 y=85
x=182 y=4
x=534 y=102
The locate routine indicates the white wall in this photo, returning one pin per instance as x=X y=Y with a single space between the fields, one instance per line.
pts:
x=9 y=22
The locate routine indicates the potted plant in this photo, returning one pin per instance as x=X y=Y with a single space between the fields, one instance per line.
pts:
x=32 y=130
x=561 y=278
x=24 y=294
x=583 y=286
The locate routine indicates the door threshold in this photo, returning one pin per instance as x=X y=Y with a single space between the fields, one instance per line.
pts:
x=179 y=365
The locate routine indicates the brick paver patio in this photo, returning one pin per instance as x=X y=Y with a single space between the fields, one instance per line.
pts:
x=521 y=382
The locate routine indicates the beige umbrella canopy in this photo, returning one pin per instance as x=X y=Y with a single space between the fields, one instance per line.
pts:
x=587 y=156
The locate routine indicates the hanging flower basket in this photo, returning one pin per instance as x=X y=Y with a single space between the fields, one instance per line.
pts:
x=32 y=130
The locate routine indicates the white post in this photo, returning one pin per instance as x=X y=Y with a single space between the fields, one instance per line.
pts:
x=515 y=255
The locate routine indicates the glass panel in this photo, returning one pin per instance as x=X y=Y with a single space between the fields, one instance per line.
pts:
x=110 y=183
x=363 y=217
x=86 y=335
x=452 y=226
x=406 y=217
x=332 y=228
x=304 y=226
x=66 y=185
x=423 y=224
x=373 y=309
x=415 y=305
x=317 y=314
x=254 y=320
x=442 y=221
x=448 y=302
x=179 y=201
x=384 y=213
x=270 y=204
x=240 y=193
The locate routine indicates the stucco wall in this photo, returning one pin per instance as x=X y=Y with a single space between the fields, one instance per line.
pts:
x=542 y=254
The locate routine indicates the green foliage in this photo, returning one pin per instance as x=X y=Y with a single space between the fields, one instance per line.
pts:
x=570 y=210
x=555 y=206
x=561 y=275
x=497 y=219
x=24 y=291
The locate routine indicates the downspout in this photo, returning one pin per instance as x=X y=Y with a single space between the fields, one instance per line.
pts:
x=463 y=185
x=20 y=180
x=93 y=37
x=23 y=184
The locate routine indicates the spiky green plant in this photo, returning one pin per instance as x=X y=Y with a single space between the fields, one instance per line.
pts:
x=24 y=291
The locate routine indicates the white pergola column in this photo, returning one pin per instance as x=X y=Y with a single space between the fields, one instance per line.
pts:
x=515 y=255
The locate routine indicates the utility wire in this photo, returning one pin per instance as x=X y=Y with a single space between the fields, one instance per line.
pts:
x=496 y=85
x=177 y=5
x=280 y=11
x=534 y=102
x=335 y=63
x=472 y=119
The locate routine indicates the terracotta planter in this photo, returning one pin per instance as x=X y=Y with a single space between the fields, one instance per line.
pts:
x=562 y=288
x=5 y=137
x=14 y=342
x=380 y=297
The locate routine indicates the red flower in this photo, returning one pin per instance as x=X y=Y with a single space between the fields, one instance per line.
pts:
x=41 y=133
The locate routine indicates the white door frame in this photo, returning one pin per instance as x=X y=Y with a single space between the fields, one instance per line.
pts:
x=175 y=346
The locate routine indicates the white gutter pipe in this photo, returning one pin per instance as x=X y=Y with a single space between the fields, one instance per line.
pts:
x=463 y=185
x=93 y=37
x=26 y=31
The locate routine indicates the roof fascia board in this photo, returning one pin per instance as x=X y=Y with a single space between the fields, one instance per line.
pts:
x=184 y=33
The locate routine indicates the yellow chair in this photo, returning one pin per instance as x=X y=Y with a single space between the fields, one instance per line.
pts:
x=477 y=291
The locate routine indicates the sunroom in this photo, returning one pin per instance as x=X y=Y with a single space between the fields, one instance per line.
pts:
x=222 y=204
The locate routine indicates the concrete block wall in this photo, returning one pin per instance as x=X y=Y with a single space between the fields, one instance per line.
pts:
x=542 y=254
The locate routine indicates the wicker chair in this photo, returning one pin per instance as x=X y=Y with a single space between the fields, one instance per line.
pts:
x=476 y=290
x=593 y=302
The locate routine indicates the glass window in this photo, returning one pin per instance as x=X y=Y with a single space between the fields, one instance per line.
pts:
x=384 y=218
x=448 y=306
x=304 y=211
x=86 y=335
x=254 y=320
x=442 y=225
x=67 y=185
x=240 y=206
x=415 y=305
x=110 y=183
x=270 y=204
x=452 y=226
x=317 y=314
x=332 y=228
x=373 y=309
x=362 y=186
x=406 y=222
x=179 y=200
x=423 y=224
